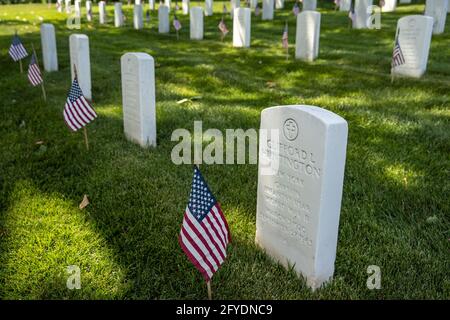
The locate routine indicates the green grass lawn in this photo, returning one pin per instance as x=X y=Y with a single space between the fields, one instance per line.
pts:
x=395 y=207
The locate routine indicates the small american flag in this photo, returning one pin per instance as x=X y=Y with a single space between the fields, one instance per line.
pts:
x=89 y=14
x=77 y=111
x=284 y=38
x=257 y=10
x=176 y=23
x=223 y=28
x=147 y=15
x=296 y=9
x=17 y=50
x=204 y=234
x=34 y=73
x=397 y=56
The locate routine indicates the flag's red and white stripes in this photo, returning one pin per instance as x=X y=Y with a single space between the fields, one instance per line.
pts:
x=34 y=73
x=205 y=242
x=77 y=112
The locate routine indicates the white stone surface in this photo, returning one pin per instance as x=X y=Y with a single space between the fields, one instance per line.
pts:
x=389 y=6
x=151 y=4
x=60 y=6
x=163 y=19
x=79 y=57
x=234 y=4
x=88 y=7
x=209 y=7
x=102 y=12
x=77 y=7
x=267 y=12
x=414 y=36
x=344 y=5
x=241 y=27
x=279 y=4
x=437 y=9
x=138 y=16
x=138 y=98
x=253 y=3
x=196 y=23
x=185 y=7
x=298 y=207
x=362 y=20
x=307 y=35
x=67 y=4
x=137 y=2
x=168 y=4
x=405 y=1
x=310 y=5
x=48 y=44
x=118 y=14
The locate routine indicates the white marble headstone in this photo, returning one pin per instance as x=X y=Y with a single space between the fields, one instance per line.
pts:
x=309 y=5
x=299 y=203
x=344 y=5
x=405 y=1
x=196 y=23
x=60 y=5
x=267 y=12
x=234 y=4
x=414 y=36
x=88 y=8
x=138 y=98
x=279 y=4
x=151 y=4
x=138 y=16
x=78 y=8
x=362 y=20
x=118 y=14
x=79 y=57
x=437 y=9
x=209 y=7
x=67 y=4
x=307 y=35
x=163 y=19
x=253 y=3
x=389 y=6
x=185 y=7
x=48 y=44
x=168 y=4
x=241 y=27
x=102 y=12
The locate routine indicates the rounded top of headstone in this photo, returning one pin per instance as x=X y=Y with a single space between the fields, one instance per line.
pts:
x=309 y=13
x=78 y=36
x=325 y=116
x=137 y=55
x=415 y=17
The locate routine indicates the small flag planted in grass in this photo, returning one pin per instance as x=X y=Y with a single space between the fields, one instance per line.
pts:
x=34 y=73
x=17 y=51
x=397 y=56
x=147 y=15
x=296 y=9
x=223 y=28
x=78 y=112
x=176 y=24
x=257 y=10
x=204 y=234
x=352 y=13
x=84 y=203
x=284 y=40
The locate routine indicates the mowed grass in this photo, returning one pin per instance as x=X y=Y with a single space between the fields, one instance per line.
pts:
x=395 y=207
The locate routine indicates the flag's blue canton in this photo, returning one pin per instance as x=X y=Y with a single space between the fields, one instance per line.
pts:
x=75 y=91
x=201 y=199
x=33 y=59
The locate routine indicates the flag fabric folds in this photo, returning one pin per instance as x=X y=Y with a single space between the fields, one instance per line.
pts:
x=204 y=234
x=17 y=51
x=284 y=38
x=223 y=28
x=34 y=73
x=176 y=23
x=77 y=112
x=397 y=56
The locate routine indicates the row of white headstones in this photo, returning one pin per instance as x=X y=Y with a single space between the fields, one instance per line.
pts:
x=301 y=158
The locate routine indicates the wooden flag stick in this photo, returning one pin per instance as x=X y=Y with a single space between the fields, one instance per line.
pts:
x=86 y=141
x=208 y=285
x=42 y=83
x=20 y=64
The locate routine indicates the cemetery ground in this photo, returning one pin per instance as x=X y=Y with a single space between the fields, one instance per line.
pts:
x=395 y=206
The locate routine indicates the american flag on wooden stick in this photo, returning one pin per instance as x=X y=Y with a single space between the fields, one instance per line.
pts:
x=176 y=23
x=284 y=38
x=296 y=9
x=257 y=10
x=352 y=13
x=17 y=51
x=397 y=56
x=34 y=73
x=223 y=28
x=77 y=112
x=204 y=233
